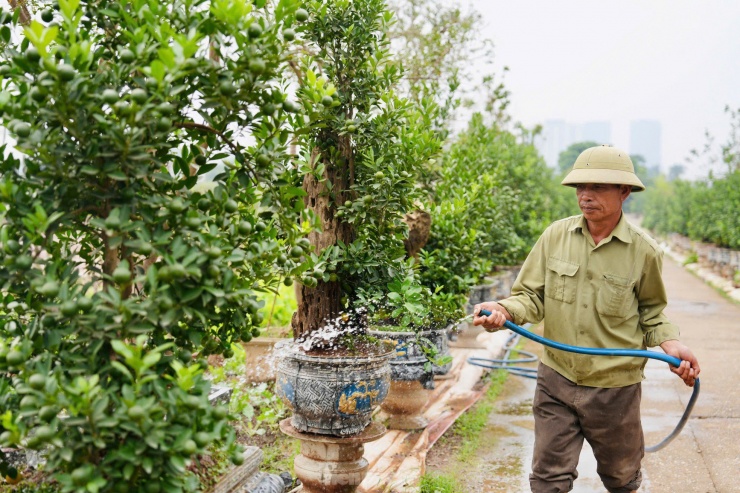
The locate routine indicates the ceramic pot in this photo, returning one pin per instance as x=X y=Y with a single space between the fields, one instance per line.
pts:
x=411 y=383
x=332 y=395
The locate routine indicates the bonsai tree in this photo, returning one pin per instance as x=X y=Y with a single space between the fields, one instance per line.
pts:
x=362 y=156
x=119 y=271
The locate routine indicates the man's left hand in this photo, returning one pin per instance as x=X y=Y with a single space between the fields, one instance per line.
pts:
x=689 y=368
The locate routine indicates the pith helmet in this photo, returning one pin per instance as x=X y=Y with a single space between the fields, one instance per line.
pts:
x=604 y=164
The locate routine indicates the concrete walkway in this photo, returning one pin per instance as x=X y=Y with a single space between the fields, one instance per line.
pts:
x=705 y=458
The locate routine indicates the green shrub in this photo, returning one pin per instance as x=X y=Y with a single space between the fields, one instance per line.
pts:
x=117 y=266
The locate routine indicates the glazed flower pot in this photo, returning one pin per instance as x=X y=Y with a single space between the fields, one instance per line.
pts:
x=411 y=383
x=332 y=394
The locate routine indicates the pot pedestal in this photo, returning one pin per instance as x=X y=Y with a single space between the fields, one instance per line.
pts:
x=404 y=405
x=329 y=464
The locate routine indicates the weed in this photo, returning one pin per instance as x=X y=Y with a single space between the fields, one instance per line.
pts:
x=691 y=258
x=439 y=484
x=469 y=426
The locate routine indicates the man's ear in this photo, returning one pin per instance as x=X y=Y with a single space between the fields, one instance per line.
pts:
x=625 y=191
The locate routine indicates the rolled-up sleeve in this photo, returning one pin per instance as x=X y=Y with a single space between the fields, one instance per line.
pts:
x=526 y=303
x=652 y=299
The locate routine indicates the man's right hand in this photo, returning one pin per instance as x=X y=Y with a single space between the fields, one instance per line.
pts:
x=495 y=320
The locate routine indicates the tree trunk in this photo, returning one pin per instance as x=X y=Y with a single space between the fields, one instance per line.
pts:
x=25 y=15
x=419 y=223
x=318 y=305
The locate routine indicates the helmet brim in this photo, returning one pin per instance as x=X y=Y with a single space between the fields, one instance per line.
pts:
x=608 y=176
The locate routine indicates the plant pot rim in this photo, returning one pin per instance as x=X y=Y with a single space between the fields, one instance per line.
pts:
x=376 y=329
x=351 y=359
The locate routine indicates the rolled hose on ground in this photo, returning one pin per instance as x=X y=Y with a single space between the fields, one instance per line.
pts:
x=638 y=353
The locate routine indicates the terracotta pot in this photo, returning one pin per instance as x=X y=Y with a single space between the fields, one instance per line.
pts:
x=261 y=364
x=332 y=395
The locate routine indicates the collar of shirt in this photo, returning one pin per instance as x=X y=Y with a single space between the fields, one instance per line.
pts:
x=621 y=231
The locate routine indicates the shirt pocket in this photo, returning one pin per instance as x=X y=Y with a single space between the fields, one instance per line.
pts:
x=560 y=280
x=615 y=296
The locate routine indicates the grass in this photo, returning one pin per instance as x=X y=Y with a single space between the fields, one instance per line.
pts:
x=439 y=483
x=468 y=427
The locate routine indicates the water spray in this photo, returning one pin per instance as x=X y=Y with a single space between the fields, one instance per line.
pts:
x=639 y=353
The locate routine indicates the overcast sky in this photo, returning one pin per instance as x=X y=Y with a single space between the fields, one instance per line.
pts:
x=674 y=61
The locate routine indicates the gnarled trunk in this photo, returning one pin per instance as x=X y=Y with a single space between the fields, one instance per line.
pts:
x=324 y=302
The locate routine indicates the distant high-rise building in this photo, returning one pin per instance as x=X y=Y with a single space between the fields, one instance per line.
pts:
x=645 y=140
x=599 y=132
x=557 y=135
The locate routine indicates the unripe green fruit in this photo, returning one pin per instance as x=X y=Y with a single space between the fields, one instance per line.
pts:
x=231 y=206
x=245 y=227
x=84 y=303
x=166 y=109
x=288 y=281
x=262 y=160
x=122 y=275
x=288 y=34
x=49 y=288
x=296 y=252
x=189 y=447
x=68 y=308
x=24 y=262
x=164 y=124
x=327 y=100
x=257 y=66
x=202 y=439
x=226 y=88
x=213 y=252
x=36 y=94
x=204 y=204
x=260 y=226
x=66 y=72
x=45 y=433
x=220 y=412
x=110 y=96
x=301 y=15
x=139 y=96
x=176 y=205
x=213 y=271
x=201 y=160
x=268 y=109
x=127 y=56
x=192 y=401
x=37 y=381
x=254 y=30
x=12 y=246
x=47 y=15
x=81 y=475
x=28 y=401
x=22 y=130
x=47 y=413
x=32 y=54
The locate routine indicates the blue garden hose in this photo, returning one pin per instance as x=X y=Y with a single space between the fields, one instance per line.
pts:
x=639 y=353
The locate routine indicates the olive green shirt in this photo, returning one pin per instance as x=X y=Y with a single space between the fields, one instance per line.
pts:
x=605 y=296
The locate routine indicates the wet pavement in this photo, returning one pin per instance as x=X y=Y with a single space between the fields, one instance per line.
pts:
x=705 y=458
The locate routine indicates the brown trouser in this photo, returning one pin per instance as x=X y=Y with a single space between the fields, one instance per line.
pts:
x=565 y=414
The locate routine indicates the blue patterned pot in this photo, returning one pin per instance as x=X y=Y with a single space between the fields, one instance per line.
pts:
x=409 y=361
x=332 y=395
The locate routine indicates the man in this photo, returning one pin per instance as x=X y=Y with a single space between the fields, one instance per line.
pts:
x=596 y=281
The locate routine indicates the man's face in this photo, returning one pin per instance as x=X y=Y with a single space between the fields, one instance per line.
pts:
x=599 y=201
